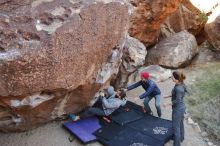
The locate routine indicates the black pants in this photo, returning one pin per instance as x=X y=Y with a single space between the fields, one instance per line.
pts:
x=92 y=111
x=178 y=125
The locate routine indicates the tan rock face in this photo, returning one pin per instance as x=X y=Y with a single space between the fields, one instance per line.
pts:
x=212 y=28
x=186 y=17
x=148 y=16
x=57 y=47
x=212 y=10
x=213 y=32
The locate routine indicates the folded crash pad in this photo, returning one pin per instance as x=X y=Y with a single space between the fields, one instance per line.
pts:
x=84 y=128
x=134 y=106
x=126 y=114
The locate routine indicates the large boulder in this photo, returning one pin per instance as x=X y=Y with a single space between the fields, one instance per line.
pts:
x=52 y=56
x=173 y=52
x=147 y=17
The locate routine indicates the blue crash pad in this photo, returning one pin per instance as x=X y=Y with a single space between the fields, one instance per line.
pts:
x=84 y=128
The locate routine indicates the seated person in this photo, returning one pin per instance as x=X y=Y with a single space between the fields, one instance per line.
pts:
x=110 y=102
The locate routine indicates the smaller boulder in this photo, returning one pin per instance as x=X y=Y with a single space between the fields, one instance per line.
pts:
x=173 y=52
x=133 y=57
x=134 y=54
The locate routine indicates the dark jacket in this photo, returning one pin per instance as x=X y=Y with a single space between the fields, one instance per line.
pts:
x=149 y=86
x=178 y=94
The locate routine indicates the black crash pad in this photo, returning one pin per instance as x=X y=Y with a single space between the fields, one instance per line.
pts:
x=122 y=116
x=157 y=128
x=109 y=131
x=130 y=137
x=134 y=128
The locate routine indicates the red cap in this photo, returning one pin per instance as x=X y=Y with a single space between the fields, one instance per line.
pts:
x=145 y=75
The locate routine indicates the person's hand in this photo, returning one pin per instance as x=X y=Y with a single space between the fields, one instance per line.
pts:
x=102 y=94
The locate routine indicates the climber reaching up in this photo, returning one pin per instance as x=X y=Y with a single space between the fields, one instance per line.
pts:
x=151 y=91
x=110 y=102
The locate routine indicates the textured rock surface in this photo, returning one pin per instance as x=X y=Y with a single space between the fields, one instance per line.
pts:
x=173 y=52
x=212 y=29
x=54 y=50
x=157 y=73
x=186 y=17
x=147 y=17
x=134 y=54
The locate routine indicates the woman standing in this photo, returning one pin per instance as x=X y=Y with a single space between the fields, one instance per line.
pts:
x=178 y=106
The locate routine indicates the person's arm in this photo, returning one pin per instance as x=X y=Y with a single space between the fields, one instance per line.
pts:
x=149 y=91
x=187 y=91
x=108 y=104
x=135 y=85
x=123 y=102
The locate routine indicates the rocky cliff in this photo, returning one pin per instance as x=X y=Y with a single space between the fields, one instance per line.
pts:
x=148 y=15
